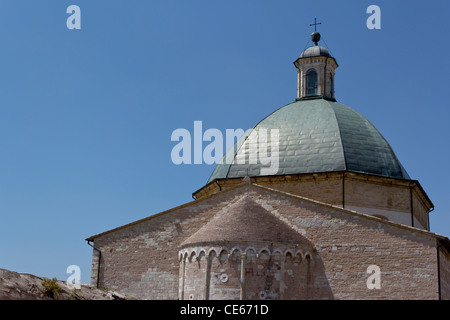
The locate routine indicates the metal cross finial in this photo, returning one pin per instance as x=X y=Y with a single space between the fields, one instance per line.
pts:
x=315 y=24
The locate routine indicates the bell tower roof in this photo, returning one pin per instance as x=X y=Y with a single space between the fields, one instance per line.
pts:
x=315 y=51
x=315 y=70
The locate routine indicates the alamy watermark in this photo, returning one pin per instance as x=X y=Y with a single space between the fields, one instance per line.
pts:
x=74 y=20
x=374 y=280
x=73 y=281
x=261 y=146
x=374 y=21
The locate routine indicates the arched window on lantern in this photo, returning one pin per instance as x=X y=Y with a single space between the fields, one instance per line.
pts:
x=311 y=83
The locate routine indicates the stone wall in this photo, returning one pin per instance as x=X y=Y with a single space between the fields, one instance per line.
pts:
x=141 y=259
x=361 y=192
x=444 y=270
x=348 y=244
x=253 y=271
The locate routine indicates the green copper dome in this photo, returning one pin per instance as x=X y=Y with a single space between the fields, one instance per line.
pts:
x=317 y=135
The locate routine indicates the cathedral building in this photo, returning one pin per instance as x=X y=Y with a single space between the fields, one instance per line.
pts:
x=340 y=219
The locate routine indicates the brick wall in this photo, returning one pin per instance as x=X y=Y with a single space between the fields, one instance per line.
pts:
x=141 y=259
x=270 y=272
x=349 y=244
x=444 y=270
x=353 y=190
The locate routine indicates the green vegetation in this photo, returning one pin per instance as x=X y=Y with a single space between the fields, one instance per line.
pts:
x=51 y=287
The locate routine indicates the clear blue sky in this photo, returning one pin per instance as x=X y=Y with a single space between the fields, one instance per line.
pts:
x=86 y=115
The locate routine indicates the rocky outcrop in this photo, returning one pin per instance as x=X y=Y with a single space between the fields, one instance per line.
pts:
x=23 y=286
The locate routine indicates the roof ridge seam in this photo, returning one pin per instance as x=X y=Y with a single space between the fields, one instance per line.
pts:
x=340 y=136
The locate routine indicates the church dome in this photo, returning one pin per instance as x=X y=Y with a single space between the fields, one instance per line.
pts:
x=316 y=135
x=315 y=51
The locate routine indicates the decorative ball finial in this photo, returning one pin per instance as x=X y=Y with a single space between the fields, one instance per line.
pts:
x=315 y=37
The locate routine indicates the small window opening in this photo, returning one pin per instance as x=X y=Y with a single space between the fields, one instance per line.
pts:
x=311 y=83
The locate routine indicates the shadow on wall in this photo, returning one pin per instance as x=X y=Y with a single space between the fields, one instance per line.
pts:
x=320 y=287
